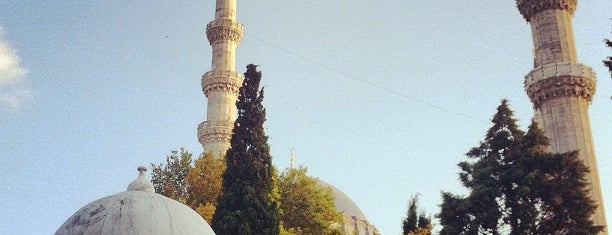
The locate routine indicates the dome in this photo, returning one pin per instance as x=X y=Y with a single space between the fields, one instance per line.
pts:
x=139 y=210
x=344 y=204
x=355 y=222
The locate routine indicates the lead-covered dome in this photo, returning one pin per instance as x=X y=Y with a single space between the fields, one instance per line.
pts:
x=139 y=210
x=344 y=203
x=355 y=222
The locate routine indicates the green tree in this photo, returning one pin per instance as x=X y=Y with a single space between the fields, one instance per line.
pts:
x=197 y=183
x=204 y=181
x=307 y=207
x=566 y=207
x=517 y=187
x=424 y=225
x=455 y=215
x=170 y=179
x=410 y=223
x=546 y=193
x=248 y=204
x=416 y=223
x=480 y=173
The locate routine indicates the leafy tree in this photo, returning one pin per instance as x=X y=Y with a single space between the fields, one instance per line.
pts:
x=248 y=204
x=517 y=187
x=416 y=224
x=307 y=207
x=205 y=184
x=170 y=179
x=194 y=183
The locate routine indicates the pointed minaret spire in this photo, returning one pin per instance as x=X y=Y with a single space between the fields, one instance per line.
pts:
x=561 y=88
x=292 y=166
x=220 y=85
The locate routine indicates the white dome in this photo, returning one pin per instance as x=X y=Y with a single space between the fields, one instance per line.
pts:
x=137 y=211
x=355 y=221
x=344 y=204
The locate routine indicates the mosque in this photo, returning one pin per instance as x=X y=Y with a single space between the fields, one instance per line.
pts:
x=220 y=86
x=559 y=87
x=140 y=210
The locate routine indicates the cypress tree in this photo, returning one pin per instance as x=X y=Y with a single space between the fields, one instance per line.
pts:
x=410 y=223
x=415 y=224
x=247 y=204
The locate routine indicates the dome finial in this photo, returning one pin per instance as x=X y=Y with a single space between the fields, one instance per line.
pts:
x=141 y=183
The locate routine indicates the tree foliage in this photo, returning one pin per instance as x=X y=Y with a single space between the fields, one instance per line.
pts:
x=422 y=230
x=249 y=203
x=410 y=223
x=517 y=187
x=205 y=185
x=414 y=223
x=194 y=183
x=170 y=179
x=307 y=207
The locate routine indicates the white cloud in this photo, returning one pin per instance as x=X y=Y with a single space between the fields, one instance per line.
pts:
x=13 y=94
x=14 y=98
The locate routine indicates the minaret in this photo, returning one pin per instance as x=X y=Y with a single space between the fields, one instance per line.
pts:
x=292 y=165
x=220 y=85
x=560 y=88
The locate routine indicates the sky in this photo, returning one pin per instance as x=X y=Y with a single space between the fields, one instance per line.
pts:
x=382 y=100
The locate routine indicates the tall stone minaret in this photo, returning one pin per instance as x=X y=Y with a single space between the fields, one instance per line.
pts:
x=221 y=83
x=560 y=88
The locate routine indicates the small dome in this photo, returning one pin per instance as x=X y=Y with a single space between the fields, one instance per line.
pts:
x=137 y=211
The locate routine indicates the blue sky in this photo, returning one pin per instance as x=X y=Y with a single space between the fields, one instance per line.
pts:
x=379 y=99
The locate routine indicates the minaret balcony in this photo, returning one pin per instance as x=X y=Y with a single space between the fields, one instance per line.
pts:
x=221 y=80
x=528 y=8
x=561 y=69
x=224 y=29
x=215 y=131
x=560 y=79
